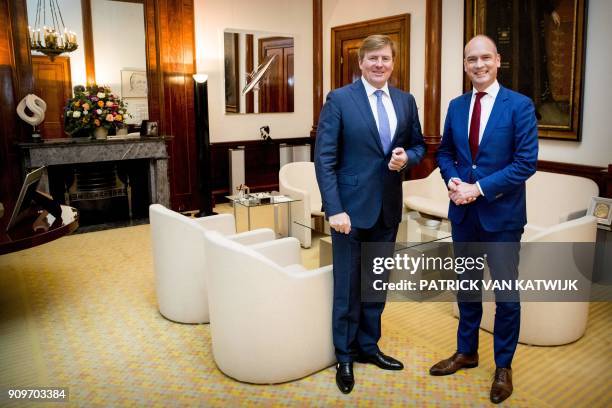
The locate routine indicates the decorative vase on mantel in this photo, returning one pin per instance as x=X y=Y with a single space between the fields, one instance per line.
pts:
x=100 y=133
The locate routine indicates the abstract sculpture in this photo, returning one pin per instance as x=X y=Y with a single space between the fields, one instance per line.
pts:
x=37 y=107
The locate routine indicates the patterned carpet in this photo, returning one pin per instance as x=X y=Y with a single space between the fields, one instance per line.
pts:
x=80 y=312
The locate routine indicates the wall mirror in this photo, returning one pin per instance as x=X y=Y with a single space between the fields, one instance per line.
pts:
x=118 y=58
x=244 y=52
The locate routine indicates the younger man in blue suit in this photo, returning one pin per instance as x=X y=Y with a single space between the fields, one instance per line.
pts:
x=368 y=134
x=489 y=149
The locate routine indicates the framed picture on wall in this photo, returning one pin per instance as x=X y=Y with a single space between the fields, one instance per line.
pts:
x=541 y=44
x=601 y=208
x=133 y=84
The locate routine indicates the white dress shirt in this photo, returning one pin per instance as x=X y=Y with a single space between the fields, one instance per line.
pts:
x=387 y=103
x=486 y=106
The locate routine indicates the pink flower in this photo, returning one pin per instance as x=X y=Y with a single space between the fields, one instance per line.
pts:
x=109 y=118
x=109 y=104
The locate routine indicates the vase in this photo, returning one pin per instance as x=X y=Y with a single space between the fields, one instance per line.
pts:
x=100 y=133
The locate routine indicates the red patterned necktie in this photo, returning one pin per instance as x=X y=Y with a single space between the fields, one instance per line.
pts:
x=475 y=125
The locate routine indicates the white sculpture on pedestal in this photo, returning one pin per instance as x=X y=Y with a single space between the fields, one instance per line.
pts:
x=37 y=107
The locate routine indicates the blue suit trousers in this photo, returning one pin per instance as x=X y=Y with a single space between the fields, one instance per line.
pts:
x=356 y=324
x=471 y=239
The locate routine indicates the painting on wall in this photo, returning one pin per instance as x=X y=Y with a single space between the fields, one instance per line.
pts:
x=133 y=84
x=541 y=44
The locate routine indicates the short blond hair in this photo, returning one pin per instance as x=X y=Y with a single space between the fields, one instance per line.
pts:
x=375 y=42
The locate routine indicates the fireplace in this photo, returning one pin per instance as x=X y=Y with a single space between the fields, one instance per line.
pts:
x=106 y=192
x=108 y=181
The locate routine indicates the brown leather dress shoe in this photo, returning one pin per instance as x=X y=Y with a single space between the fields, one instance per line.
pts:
x=502 y=385
x=456 y=362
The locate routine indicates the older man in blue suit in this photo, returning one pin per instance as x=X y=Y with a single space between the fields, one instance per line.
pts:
x=368 y=133
x=489 y=149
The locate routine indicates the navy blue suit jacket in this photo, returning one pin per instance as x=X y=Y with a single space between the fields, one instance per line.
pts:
x=351 y=166
x=507 y=157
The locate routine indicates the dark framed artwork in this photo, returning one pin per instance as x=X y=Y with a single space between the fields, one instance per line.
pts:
x=232 y=63
x=541 y=43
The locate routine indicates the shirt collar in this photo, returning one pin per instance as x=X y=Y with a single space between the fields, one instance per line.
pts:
x=492 y=90
x=370 y=89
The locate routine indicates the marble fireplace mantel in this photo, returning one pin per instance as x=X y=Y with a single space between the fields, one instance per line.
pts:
x=75 y=151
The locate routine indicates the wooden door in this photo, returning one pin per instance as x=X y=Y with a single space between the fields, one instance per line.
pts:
x=52 y=82
x=276 y=91
x=347 y=39
x=349 y=62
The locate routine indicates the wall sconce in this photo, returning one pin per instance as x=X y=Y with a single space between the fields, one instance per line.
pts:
x=203 y=141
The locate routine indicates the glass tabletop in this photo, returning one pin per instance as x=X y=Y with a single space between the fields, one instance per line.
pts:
x=413 y=231
x=259 y=199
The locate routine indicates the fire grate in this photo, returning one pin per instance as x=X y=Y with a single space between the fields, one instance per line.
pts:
x=98 y=183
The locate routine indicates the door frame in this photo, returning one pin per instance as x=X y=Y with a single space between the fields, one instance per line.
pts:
x=399 y=24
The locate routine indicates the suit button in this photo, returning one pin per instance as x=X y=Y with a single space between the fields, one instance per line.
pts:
x=474 y=166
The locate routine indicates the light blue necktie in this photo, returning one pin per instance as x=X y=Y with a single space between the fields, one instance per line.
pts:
x=384 y=129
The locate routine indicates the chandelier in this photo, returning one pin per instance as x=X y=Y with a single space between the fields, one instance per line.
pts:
x=50 y=35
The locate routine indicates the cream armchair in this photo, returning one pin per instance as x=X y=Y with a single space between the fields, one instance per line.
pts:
x=430 y=196
x=427 y=196
x=549 y=323
x=270 y=317
x=180 y=263
x=571 y=195
x=299 y=181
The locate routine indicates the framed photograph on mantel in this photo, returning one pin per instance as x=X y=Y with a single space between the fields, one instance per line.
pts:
x=541 y=44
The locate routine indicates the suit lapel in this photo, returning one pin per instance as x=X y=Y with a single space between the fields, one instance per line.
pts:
x=464 y=114
x=496 y=113
x=360 y=97
x=400 y=111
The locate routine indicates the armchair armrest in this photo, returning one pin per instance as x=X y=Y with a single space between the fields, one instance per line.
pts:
x=253 y=237
x=313 y=273
x=283 y=252
x=294 y=192
x=222 y=223
x=572 y=215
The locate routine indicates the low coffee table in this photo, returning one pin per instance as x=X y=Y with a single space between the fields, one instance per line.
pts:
x=260 y=200
x=423 y=233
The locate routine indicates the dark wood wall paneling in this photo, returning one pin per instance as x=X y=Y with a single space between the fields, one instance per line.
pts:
x=171 y=52
x=170 y=49
x=15 y=83
x=249 y=98
x=431 y=112
x=88 y=47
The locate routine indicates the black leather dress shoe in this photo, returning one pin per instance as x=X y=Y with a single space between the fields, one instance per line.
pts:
x=344 y=377
x=383 y=361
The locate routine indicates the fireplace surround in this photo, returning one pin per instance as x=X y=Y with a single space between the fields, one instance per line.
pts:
x=58 y=153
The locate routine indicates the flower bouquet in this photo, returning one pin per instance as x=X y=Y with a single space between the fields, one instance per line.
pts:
x=94 y=107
